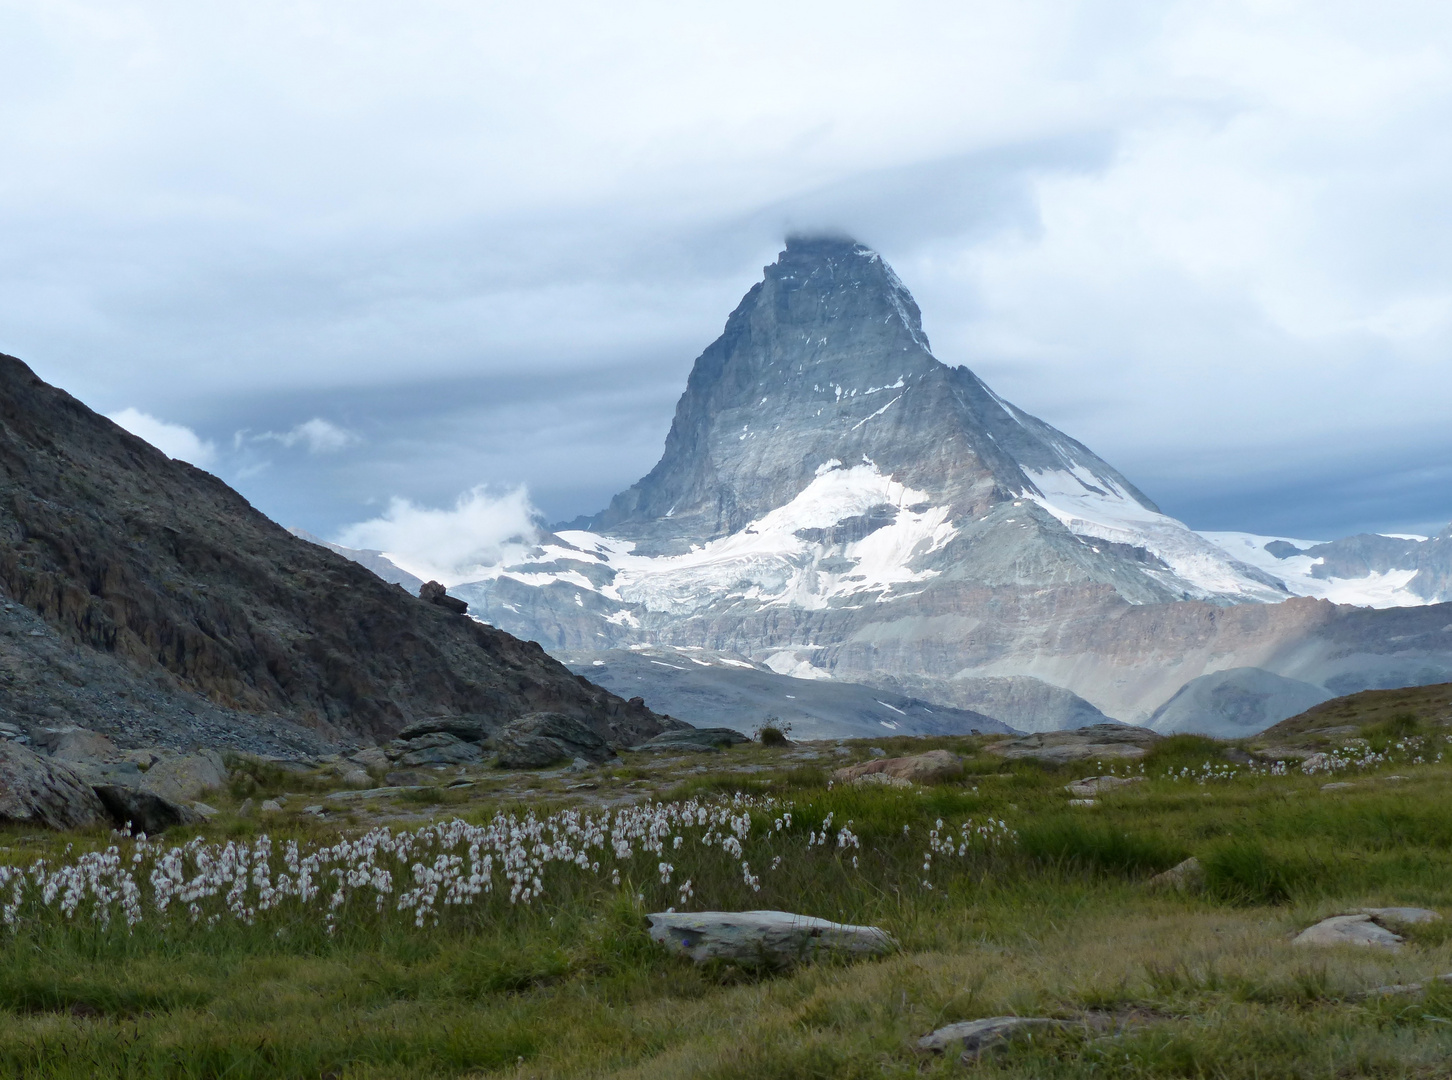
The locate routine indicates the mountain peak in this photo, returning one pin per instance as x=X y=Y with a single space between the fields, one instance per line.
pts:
x=825 y=362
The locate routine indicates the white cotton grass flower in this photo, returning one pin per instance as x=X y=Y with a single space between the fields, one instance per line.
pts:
x=418 y=875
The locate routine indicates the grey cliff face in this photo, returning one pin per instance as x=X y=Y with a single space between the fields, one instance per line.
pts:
x=826 y=360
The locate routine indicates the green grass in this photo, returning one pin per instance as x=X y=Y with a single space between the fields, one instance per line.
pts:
x=1056 y=923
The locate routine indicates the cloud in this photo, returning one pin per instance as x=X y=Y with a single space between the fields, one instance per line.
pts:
x=173 y=440
x=1197 y=235
x=451 y=546
x=318 y=435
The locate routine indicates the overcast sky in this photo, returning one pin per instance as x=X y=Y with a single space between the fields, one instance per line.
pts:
x=368 y=260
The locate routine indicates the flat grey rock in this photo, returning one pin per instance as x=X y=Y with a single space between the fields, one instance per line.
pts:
x=776 y=938
x=972 y=1036
x=1360 y=930
x=1097 y=742
x=1098 y=785
x=370 y=793
x=1406 y=916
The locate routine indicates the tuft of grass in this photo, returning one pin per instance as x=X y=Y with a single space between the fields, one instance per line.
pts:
x=1102 y=848
x=1247 y=871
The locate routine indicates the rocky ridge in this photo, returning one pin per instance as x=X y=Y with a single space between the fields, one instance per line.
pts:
x=146 y=600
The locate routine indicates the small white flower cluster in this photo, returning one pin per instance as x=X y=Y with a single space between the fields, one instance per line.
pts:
x=1210 y=770
x=991 y=833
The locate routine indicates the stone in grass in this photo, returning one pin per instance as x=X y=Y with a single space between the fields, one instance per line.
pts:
x=975 y=1036
x=1406 y=988
x=1340 y=785
x=1406 y=916
x=1098 y=785
x=933 y=766
x=34 y=791
x=1349 y=930
x=774 y=938
x=1188 y=876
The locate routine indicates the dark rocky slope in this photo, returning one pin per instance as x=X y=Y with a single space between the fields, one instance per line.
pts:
x=148 y=589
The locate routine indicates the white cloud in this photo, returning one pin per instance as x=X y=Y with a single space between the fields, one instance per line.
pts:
x=450 y=546
x=173 y=440
x=318 y=435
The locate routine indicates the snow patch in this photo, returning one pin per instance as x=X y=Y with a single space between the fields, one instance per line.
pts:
x=1094 y=506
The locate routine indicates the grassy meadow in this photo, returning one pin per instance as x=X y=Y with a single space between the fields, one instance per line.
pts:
x=1046 y=915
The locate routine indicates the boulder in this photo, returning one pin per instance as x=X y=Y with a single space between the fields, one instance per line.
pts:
x=142 y=810
x=468 y=728
x=520 y=751
x=34 y=791
x=1349 y=930
x=371 y=758
x=520 y=745
x=694 y=739
x=354 y=777
x=1096 y=742
x=183 y=777
x=1187 y=876
x=434 y=593
x=1098 y=785
x=975 y=1036
x=933 y=766
x=774 y=938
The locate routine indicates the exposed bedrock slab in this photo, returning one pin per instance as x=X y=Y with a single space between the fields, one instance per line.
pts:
x=928 y=768
x=776 y=938
x=1097 y=742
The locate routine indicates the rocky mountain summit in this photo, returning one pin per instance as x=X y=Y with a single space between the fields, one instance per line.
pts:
x=834 y=502
x=146 y=600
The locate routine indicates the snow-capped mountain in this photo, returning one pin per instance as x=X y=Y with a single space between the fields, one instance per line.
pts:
x=1370 y=570
x=835 y=502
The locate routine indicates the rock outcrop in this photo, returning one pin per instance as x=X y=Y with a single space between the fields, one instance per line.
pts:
x=37 y=791
x=145 y=599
